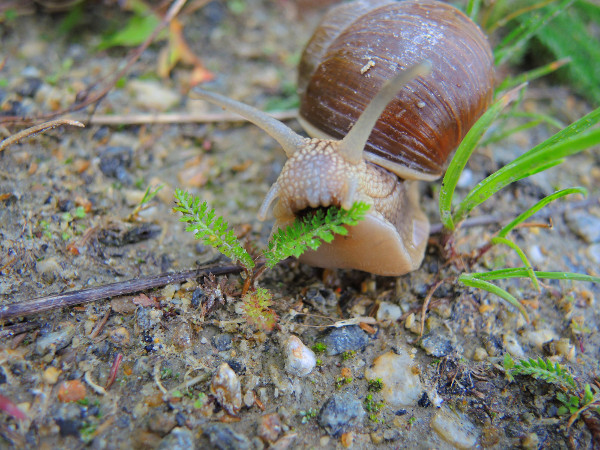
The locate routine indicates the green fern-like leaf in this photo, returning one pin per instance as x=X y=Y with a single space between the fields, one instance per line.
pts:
x=216 y=233
x=546 y=371
x=311 y=231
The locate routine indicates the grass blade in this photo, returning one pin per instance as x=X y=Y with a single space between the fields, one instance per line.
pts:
x=529 y=27
x=550 y=152
x=521 y=272
x=521 y=253
x=463 y=153
x=473 y=9
x=525 y=77
x=539 y=205
x=472 y=281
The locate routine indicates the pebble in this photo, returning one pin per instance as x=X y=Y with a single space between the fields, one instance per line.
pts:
x=71 y=391
x=269 y=427
x=222 y=342
x=466 y=179
x=538 y=338
x=585 y=225
x=513 y=346
x=123 y=305
x=56 y=340
x=454 y=429
x=224 y=438
x=161 y=423
x=181 y=335
x=300 y=360
x=388 y=311
x=480 y=354
x=401 y=383
x=345 y=339
x=225 y=386
x=119 y=336
x=179 y=439
x=340 y=412
x=594 y=253
x=321 y=298
x=114 y=162
x=49 y=269
x=51 y=375
x=437 y=345
x=150 y=94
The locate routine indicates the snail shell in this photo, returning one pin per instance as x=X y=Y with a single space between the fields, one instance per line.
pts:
x=388 y=90
x=360 y=45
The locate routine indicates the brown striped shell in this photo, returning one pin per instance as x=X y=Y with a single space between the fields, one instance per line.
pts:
x=361 y=44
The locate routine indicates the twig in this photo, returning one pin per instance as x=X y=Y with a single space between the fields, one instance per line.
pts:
x=32 y=131
x=113 y=371
x=169 y=118
x=96 y=331
x=426 y=304
x=17 y=328
x=71 y=298
x=171 y=13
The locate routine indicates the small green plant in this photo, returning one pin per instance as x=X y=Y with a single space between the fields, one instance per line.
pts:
x=348 y=355
x=375 y=385
x=307 y=416
x=574 y=400
x=308 y=233
x=319 y=347
x=143 y=204
x=373 y=408
x=200 y=401
x=258 y=311
x=341 y=381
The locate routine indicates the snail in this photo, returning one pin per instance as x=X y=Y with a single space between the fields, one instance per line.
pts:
x=387 y=92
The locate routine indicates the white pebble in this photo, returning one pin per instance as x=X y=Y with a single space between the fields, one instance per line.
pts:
x=388 y=311
x=401 y=383
x=454 y=428
x=300 y=360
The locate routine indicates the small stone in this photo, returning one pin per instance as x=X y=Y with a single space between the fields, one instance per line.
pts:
x=347 y=439
x=51 y=375
x=123 y=305
x=49 y=269
x=530 y=442
x=284 y=442
x=114 y=162
x=454 y=429
x=249 y=399
x=388 y=311
x=513 y=346
x=340 y=412
x=535 y=254
x=345 y=339
x=160 y=422
x=585 y=225
x=71 y=391
x=560 y=347
x=179 y=438
x=401 y=383
x=537 y=338
x=300 y=360
x=594 y=253
x=222 y=342
x=436 y=345
x=480 y=354
x=324 y=441
x=150 y=94
x=321 y=298
x=225 y=386
x=52 y=342
x=181 y=335
x=269 y=427
x=224 y=438
x=466 y=179
x=119 y=336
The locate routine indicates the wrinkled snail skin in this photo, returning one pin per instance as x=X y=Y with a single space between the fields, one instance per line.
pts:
x=395 y=118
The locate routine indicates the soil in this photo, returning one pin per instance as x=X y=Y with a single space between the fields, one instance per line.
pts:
x=66 y=203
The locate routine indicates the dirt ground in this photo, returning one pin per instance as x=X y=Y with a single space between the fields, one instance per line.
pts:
x=65 y=202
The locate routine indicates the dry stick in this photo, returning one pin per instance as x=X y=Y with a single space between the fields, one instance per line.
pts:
x=32 y=131
x=426 y=304
x=71 y=298
x=170 y=15
x=176 y=118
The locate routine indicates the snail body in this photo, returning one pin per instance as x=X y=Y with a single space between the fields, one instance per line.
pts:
x=387 y=90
